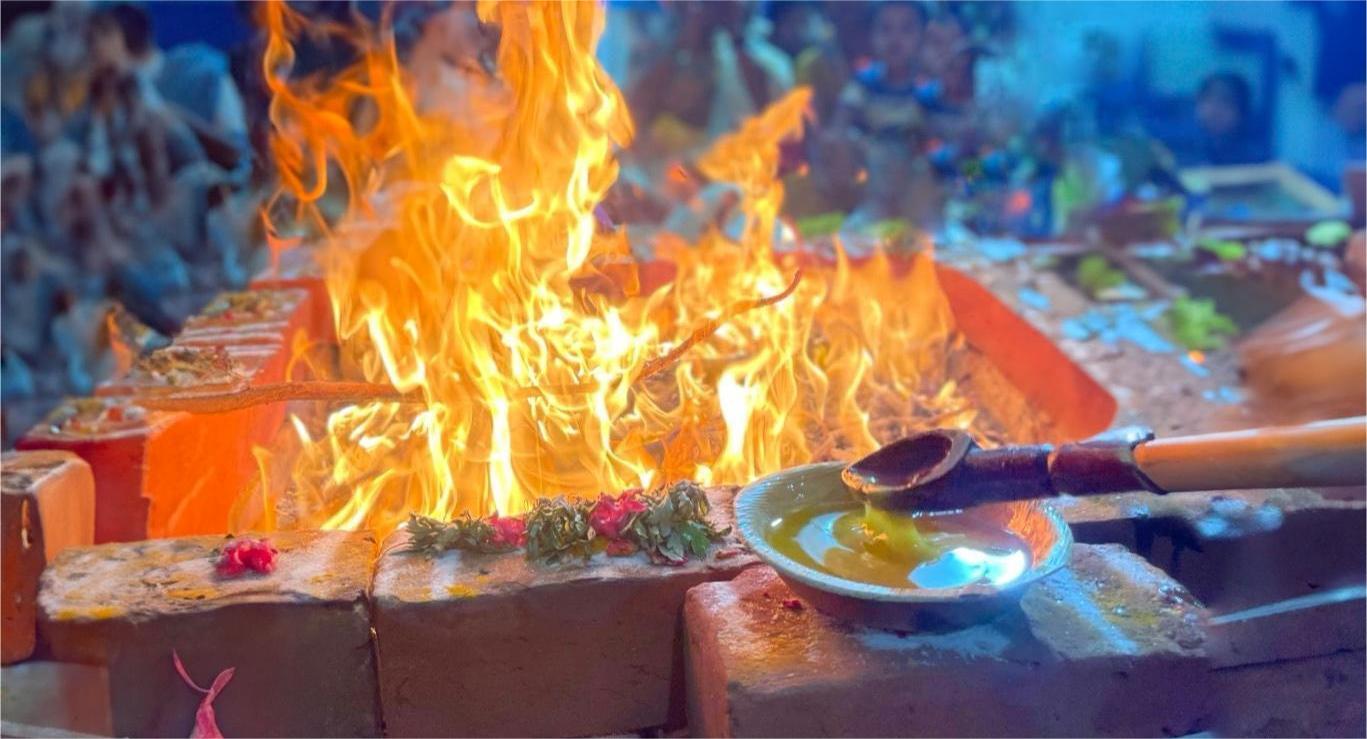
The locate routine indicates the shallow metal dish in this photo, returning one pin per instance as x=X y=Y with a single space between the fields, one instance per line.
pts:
x=760 y=503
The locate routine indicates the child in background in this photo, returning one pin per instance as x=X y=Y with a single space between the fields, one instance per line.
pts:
x=1224 y=111
x=881 y=100
x=801 y=31
x=880 y=118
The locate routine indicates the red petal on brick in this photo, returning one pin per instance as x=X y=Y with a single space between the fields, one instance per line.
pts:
x=206 y=724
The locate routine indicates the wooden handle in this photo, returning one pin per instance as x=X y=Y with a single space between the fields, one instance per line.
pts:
x=1315 y=454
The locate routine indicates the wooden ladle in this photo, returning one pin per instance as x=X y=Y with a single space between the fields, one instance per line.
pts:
x=944 y=469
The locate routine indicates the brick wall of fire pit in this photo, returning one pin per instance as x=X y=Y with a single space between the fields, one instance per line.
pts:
x=1155 y=628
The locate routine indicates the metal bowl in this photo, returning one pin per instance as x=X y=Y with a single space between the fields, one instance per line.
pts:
x=764 y=501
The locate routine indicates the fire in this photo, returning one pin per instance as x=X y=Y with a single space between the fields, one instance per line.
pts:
x=469 y=267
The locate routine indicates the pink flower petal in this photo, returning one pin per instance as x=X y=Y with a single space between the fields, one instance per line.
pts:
x=206 y=724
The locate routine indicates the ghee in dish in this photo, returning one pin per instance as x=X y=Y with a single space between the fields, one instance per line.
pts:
x=895 y=550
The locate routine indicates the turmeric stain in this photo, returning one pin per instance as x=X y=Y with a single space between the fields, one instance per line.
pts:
x=461 y=591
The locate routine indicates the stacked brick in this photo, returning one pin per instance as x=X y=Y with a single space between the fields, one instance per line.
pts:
x=160 y=473
x=468 y=644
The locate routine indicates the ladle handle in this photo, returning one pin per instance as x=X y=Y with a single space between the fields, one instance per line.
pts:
x=1325 y=453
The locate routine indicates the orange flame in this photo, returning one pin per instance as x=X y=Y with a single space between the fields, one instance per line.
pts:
x=469 y=267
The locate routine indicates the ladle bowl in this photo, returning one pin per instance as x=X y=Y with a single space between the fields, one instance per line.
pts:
x=763 y=503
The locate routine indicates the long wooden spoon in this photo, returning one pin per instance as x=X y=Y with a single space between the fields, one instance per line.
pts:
x=944 y=469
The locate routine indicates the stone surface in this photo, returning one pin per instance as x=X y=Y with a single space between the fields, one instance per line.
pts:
x=1108 y=646
x=1317 y=696
x=492 y=645
x=1234 y=549
x=53 y=698
x=299 y=638
x=1325 y=622
x=47 y=505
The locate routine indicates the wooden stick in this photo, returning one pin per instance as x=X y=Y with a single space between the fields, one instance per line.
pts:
x=708 y=328
x=1321 y=453
x=222 y=402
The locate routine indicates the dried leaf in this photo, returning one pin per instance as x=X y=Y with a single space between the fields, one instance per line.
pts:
x=672 y=528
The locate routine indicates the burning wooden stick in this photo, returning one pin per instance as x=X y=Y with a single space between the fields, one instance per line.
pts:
x=365 y=392
x=701 y=333
x=280 y=392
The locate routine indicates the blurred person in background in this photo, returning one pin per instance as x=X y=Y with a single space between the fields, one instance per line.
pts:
x=190 y=81
x=715 y=71
x=801 y=30
x=879 y=126
x=1224 y=126
x=121 y=187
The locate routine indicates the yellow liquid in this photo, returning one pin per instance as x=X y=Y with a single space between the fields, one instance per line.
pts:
x=893 y=550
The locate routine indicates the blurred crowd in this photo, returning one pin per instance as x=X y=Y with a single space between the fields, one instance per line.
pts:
x=132 y=173
x=128 y=191
x=928 y=112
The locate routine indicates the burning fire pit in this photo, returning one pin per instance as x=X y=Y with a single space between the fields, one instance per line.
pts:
x=559 y=430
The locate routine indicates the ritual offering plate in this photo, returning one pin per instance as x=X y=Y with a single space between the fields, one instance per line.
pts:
x=891 y=570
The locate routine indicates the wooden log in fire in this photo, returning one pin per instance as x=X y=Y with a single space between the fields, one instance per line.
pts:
x=362 y=392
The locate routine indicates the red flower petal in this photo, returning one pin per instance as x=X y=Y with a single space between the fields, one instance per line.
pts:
x=509 y=531
x=606 y=517
x=241 y=555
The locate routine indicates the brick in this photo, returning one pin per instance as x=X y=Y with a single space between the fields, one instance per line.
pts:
x=1330 y=621
x=47 y=505
x=1317 y=696
x=491 y=645
x=1235 y=549
x=55 y=699
x=1108 y=646
x=267 y=326
x=179 y=368
x=299 y=637
x=61 y=489
x=250 y=317
x=298 y=269
x=156 y=473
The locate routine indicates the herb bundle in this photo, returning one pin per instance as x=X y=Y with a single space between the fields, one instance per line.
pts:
x=669 y=526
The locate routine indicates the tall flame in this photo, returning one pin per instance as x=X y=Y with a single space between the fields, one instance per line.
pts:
x=469 y=267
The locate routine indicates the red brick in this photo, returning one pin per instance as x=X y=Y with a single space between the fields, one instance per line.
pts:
x=111 y=435
x=1107 y=646
x=299 y=637
x=158 y=474
x=218 y=368
x=298 y=269
x=491 y=645
x=264 y=316
x=48 y=505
